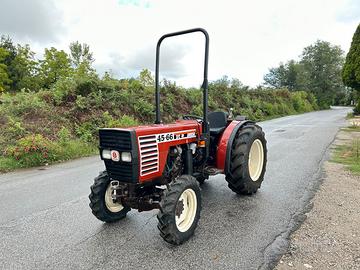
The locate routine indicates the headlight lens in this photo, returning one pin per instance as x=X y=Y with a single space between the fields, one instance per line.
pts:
x=106 y=154
x=126 y=156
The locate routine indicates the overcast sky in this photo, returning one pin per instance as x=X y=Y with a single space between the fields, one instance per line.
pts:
x=246 y=37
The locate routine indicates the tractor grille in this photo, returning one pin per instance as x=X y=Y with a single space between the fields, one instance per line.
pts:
x=149 y=155
x=121 y=141
x=119 y=170
x=115 y=139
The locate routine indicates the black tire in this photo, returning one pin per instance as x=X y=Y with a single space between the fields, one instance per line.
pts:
x=97 y=200
x=170 y=203
x=201 y=179
x=239 y=176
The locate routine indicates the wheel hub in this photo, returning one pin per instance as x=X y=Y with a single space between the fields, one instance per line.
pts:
x=179 y=208
x=112 y=205
x=256 y=160
x=185 y=210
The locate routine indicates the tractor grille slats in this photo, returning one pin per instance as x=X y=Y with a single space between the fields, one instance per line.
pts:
x=115 y=139
x=119 y=171
x=149 y=154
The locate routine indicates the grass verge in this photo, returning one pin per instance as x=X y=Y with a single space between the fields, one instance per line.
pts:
x=32 y=154
x=349 y=155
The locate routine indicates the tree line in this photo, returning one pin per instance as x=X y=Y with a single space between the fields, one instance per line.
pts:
x=319 y=71
x=324 y=71
x=19 y=69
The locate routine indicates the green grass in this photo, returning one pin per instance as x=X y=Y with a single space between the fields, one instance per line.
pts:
x=8 y=164
x=352 y=128
x=350 y=115
x=59 y=152
x=349 y=155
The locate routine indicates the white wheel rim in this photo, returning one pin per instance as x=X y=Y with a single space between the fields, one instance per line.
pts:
x=256 y=160
x=110 y=205
x=189 y=207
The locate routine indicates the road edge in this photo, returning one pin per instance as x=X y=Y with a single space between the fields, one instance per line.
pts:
x=273 y=252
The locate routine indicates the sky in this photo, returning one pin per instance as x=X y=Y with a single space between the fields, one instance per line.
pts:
x=246 y=37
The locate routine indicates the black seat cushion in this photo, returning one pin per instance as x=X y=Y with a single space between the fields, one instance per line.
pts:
x=217 y=121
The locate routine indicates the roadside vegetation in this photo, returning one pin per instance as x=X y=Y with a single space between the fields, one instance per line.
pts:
x=51 y=109
x=349 y=152
x=349 y=155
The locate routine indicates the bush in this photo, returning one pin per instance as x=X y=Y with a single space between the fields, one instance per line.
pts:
x=35 y=150
x=64 y=136
x=63 y=90
x=357 y=108
x=24 y=102
x=123 y=121
x=62 y=122
x=32 y=150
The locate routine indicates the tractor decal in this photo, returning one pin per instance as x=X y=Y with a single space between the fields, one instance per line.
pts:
x=177 y=135
x=149 y=150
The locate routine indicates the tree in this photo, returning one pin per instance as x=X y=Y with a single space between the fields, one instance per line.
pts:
x=21 y=65
x=56 y=65
x=4 y=76
x=351 y=70
x=323 y=63
x=81 y=58
x=290 y=75
x=25 y=69
x=145 y=78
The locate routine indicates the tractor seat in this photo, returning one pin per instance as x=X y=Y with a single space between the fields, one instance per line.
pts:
x=217 y=121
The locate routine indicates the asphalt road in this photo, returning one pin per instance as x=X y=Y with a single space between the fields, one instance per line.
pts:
x=45 y=221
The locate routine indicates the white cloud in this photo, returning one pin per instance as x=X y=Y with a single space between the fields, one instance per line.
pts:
x=35 y=21
x=246 y=37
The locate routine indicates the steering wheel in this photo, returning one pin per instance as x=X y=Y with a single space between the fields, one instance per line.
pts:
x=192 y=117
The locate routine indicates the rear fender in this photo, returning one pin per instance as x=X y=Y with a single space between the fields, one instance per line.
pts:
x=225 y=143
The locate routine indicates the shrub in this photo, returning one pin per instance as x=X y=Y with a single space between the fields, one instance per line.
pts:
x=357 y=108
x=81 y=103
x=63 y=90
x=32 y=150
x=64 y=136
x=123 y=121
x=143 y=109
x=24 y=102
x=86 y=131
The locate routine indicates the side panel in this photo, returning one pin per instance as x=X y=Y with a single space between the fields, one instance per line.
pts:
x=225 y=142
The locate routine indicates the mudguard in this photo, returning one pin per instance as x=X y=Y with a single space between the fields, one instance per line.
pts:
x=225 y=143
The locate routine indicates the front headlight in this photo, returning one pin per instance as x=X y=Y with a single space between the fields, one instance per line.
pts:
x=126 y=156
x=106 y=154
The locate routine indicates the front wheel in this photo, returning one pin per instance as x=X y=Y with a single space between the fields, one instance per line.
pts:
x=180 y=210
x=101 y=202
x=248 y=160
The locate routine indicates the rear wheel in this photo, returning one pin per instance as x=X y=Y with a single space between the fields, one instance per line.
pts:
x=101 y=203
x=248 y=160
x=180 y=210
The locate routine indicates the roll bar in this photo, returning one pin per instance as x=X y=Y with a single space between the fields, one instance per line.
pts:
x=204 y=85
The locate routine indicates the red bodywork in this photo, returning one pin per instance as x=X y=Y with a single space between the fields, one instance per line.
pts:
x=155 y=140
x=152 y=162
x=223 y=143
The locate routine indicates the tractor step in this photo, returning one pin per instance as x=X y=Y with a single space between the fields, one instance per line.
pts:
x=209 y=170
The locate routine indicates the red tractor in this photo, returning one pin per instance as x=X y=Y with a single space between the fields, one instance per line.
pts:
x=161 y=166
